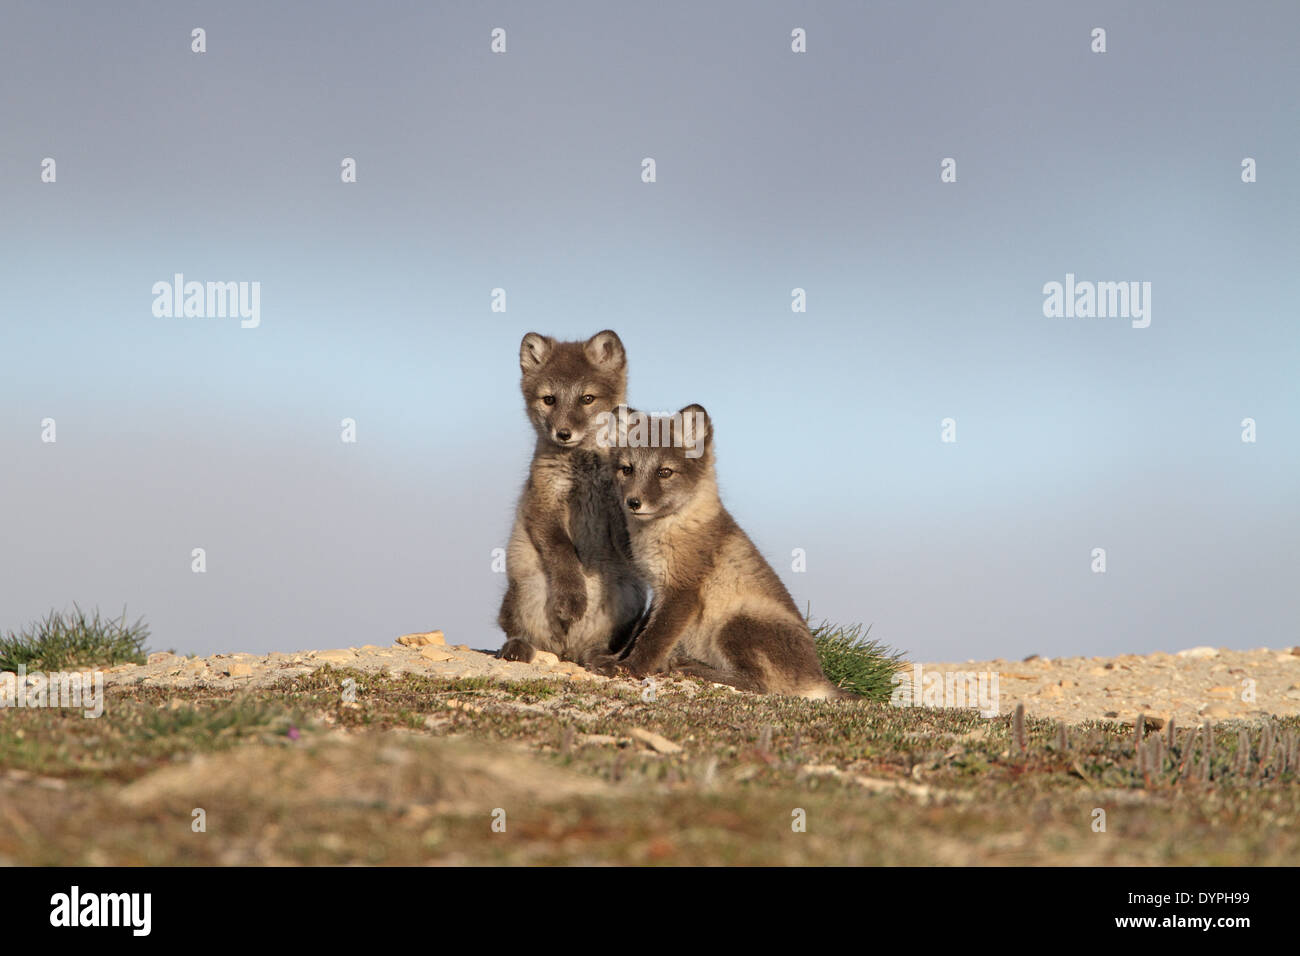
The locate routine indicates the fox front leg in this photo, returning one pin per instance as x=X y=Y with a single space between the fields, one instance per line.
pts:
x=662 y=631
x=566 y=588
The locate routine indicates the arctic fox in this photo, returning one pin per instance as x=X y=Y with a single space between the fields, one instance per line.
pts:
x=571 y=587
x=719 y=611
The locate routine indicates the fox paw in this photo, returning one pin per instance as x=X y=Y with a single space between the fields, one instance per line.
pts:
x=516 y=650
x=607 y=665
x=632 y=669
x=566 y=609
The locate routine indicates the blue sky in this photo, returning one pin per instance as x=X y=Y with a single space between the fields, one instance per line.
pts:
x=775 y=171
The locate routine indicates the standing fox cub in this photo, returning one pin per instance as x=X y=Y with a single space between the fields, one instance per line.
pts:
x=571 y=587
x=719 y=610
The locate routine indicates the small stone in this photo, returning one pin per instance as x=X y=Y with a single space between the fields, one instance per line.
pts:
x=1222 y=693
x=423 y=639
x=238 y=669
x=1031 y=657
x=160 y=657
x=1215 y=710
x=435 y=653
x=546 y=658
x=1198 y=653
x=654 y=741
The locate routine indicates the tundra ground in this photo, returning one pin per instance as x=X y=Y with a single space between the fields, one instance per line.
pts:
x=343 y=765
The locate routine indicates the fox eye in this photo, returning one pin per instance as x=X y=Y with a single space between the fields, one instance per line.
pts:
x=548 y=399
x=665 y=472
x=588 y=399
x=626 y=469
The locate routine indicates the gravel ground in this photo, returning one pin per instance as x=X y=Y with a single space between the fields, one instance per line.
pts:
x=1192 y=685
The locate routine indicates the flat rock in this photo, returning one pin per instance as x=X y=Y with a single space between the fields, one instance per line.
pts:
x=337 y=656
x=422 y=639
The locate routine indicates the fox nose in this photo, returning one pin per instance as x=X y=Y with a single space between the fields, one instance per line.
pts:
x=634 y=503
x=563 y=434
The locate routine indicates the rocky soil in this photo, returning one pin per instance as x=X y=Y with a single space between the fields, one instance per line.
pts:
x=1190 y=686
x=442 y=742
x=426 y=653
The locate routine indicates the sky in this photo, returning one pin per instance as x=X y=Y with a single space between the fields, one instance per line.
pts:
x=774 y=171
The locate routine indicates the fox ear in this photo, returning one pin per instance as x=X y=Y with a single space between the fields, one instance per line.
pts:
x=697 y=429
x=605 y=349
x=533 y=350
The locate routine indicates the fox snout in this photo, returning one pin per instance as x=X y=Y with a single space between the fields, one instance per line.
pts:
x=567 y=436
x=643 y=502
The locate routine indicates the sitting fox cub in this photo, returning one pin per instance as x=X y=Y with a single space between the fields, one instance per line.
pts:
x=571 y=586
x=719 y=610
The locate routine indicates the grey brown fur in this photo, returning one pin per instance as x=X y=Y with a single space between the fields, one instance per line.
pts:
x=571 y=586
x=719 y=610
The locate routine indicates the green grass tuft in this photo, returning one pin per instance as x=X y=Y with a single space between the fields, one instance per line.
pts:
x=73 y=639
x=854 y=662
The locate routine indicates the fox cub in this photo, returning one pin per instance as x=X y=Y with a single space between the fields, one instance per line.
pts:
x=719 y=611
x=571 y=586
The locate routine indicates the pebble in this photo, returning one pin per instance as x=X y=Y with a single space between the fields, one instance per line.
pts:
x=654 y=741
